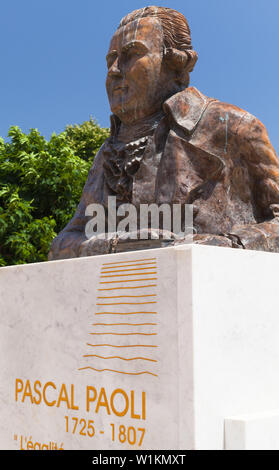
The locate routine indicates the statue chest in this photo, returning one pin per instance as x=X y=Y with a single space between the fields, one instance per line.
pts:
x=184 y=172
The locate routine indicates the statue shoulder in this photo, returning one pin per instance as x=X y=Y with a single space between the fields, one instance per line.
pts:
x=237 y=120
x=97 y=164
x=248 y=134
x=191 y=109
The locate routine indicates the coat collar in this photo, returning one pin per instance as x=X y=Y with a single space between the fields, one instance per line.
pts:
x=186 y=108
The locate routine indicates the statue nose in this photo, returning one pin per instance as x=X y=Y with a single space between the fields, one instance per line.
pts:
x=114 y=70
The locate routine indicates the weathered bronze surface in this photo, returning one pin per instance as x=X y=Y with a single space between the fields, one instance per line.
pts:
x=171 y=144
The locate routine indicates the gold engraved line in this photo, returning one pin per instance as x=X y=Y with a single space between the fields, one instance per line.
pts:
x=125 y=334
x=130 y=274
x=130 y=280
x=122 y=358
x=125 y=346
x=131 y=269
x=124 y=313
x=151 y=264
x=131 y=287
x=126 y=324
x=118 y=371
x=130 y=261
x=123 y=296
x=128 y=303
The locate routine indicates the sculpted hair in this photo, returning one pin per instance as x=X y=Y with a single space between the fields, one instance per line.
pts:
x=175 y=28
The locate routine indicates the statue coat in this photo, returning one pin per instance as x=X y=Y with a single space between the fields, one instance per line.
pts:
x=213 y=155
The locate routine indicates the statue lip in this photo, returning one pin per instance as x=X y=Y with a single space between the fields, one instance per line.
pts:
x=120 y=87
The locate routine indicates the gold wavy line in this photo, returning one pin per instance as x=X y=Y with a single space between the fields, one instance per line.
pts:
x=125 y=346
x=130 y=274
x=130 y=280
x=123 y=313
x=131 y=269
x=118 y=371
x=122 y=358
x=130 y=261
x=127 y=324
x=126 y=265
x=127 y=303
x=130 y=287
x=123 y=296
x=125 y=334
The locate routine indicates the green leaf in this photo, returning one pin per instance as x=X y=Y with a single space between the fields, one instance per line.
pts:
x=40 y=187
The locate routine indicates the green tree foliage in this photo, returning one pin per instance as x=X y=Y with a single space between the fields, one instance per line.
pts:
x=40 y=186
x=86 y=139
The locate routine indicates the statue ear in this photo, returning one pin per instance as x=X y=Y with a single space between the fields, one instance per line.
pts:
x=180 y=60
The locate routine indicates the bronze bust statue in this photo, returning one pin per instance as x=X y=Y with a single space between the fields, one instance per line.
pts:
x=169 y=143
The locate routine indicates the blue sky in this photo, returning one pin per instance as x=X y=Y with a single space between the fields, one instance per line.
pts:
x=53 y=58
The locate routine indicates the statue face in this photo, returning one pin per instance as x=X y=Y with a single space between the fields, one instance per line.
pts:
x=135 y=79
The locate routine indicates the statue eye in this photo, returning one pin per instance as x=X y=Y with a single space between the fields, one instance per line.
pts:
x=133 y=52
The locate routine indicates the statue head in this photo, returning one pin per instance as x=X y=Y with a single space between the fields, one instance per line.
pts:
x=149 y=59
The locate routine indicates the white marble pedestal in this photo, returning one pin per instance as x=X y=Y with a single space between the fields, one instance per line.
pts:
x=142 y=350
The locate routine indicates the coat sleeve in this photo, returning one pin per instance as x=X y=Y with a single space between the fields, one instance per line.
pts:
x=263 y=166
x=68 y=242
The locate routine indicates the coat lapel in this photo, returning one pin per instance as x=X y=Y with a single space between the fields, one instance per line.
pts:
x=181 y=171
x=184 y=171
x=186 y=108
